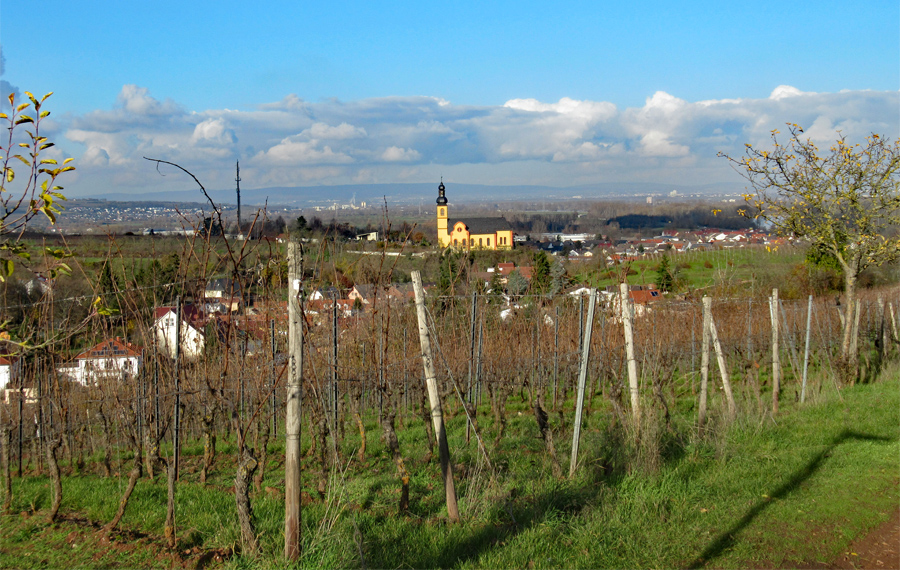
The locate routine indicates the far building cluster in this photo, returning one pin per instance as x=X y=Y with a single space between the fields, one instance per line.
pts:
x=187 y=330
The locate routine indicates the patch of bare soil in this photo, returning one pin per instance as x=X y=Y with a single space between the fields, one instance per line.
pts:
x=86 y=545
x=878 y=550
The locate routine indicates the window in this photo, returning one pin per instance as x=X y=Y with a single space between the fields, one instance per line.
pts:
x=472 y=241
x=479 y=242
x=442 y=212
x=455 y=242
x=489 y=242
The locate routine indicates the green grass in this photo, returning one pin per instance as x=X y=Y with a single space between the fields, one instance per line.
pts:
x=728 y=271
x=755 y=493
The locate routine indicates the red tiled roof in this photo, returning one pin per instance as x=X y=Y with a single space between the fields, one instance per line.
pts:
x=645 y=296
x=505 y=268
x=113 y=347
x=191 y=313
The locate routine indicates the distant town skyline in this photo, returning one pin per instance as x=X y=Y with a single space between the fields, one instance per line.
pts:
x=501 y=94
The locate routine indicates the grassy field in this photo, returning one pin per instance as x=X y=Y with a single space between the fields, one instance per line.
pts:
x=761 y=492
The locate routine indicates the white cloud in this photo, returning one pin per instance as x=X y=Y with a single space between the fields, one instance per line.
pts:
x=214 y=131
x=293 y=150
x=397 y=154
x=524 y=141
x=785 y=91
x=137 y=100
x=340 y=132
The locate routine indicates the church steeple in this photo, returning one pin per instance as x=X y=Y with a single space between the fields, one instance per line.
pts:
x=443 y=236
x=442 y=200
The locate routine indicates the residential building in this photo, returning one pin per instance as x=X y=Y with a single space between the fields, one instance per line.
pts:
x=192 y=330
x=112 y=359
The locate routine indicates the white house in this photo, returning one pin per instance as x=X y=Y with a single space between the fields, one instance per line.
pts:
x=9 y=369
x=224 y=291
x=192 y=337
x=112 y=359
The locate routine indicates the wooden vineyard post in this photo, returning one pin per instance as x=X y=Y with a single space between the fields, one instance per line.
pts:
x=434 y=400
x=704 y=360
x=292 y=412
x=628 y=325
x=806 y=349
x=776 y=361
x=582 y=377
x=555 y=358
x=470 y=388
x=893 y=322
x=176 y=439
x=723 y=367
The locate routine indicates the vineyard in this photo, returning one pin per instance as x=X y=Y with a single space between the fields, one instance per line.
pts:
x=187 y=427
x=219 y=401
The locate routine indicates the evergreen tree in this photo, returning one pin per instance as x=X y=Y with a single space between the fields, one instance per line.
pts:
x=665 y=280
x=540 y=275
x=557 y=277
x=516 y=284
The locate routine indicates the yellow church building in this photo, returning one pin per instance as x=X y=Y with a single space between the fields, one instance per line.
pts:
x=473 y=233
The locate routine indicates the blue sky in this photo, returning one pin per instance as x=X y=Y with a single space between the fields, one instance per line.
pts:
x=495 y=93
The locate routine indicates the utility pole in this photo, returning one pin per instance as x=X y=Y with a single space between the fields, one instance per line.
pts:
x=237 y=180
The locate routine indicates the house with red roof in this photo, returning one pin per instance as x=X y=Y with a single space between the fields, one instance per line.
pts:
x=165 y=329
x=112 y=359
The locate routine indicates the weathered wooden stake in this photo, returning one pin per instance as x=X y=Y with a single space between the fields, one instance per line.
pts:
x=582 y=377
x=776 y=360
x=704 y=361
x=723 y=367
x=893 y=322
x=627 y=318
x=809 y=307
x=292 y=411
x=434 y=399
x=274 y=402
x=176 y=439
x=555 y=358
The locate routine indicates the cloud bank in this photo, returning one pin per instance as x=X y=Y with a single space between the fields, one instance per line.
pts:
x=293 y=142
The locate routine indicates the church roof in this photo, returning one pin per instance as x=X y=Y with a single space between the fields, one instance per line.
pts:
x=485 y=225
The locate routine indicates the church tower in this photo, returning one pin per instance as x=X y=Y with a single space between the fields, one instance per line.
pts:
x=442 y=235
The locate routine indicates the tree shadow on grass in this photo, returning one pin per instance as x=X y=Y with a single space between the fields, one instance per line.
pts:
x=728 y=539
x=517 y=516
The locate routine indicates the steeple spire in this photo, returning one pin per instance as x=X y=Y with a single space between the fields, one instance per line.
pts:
x=442 y=200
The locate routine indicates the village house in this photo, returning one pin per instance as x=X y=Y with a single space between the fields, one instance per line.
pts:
x=224 y=292
x=10 y=369
x=325 y=307
x=112 y=359
x=192 y=326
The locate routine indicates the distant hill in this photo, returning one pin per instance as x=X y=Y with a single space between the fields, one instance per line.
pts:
x=413 y=193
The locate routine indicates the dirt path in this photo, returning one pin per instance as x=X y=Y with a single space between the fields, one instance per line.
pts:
x=878 y=550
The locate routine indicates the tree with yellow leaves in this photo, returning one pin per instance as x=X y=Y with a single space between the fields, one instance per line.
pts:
x=845 y=202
